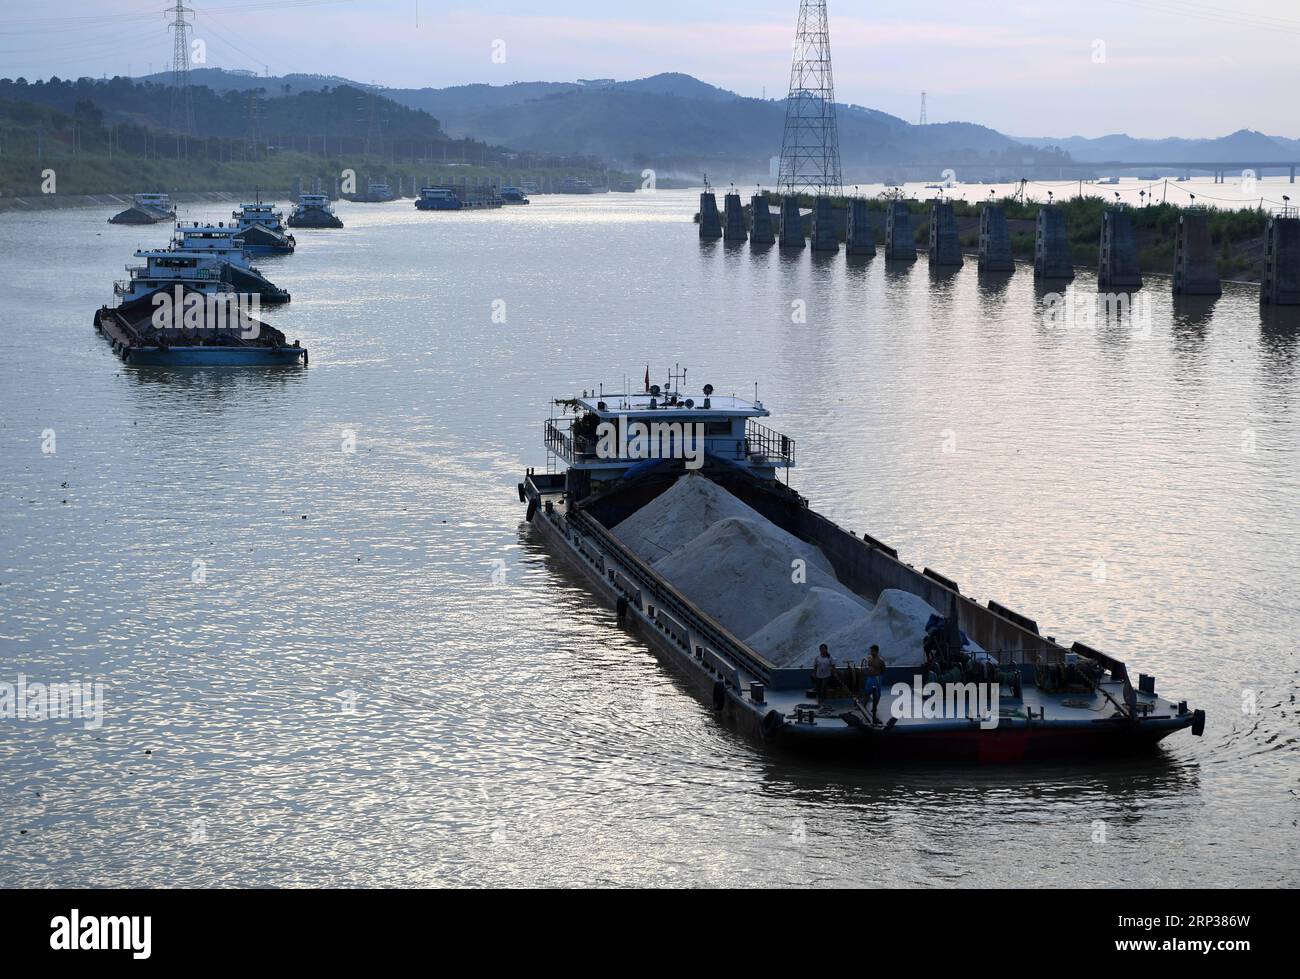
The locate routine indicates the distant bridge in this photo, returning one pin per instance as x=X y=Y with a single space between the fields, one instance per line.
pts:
x=1220 y=168
x=1076 y=169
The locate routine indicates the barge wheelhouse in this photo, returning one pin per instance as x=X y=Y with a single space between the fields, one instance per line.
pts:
x=1046 y=700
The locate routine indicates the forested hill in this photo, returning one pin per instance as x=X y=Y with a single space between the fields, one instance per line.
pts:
x=340 y=111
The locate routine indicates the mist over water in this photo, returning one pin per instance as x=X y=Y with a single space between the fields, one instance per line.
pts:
x=406 y=688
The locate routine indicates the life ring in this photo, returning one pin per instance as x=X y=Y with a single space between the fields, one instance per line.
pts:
x=773 y=721
x=719 y=695
x=532 y=511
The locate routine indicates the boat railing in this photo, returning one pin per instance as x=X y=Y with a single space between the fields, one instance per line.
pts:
x=763 y=443
x=564 y=442
x=1027 y=657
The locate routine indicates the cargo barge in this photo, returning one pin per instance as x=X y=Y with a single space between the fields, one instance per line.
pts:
x=451 y=199
x=220 y=247
x=314 y=211
x=132 y=330
x=1049 y=700
x=146 y=209
x=261 y=227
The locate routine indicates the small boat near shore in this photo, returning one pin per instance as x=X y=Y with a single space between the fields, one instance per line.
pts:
x=261 y=227
x=575 y=185
x=146 y=209
x=314 y=211
x=377 y=192
x=513 y=195
x=733 y=580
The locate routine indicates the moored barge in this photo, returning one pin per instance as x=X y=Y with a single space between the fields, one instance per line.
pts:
x=227 y=338
x=314 y=211
x=261 y=227
x=453 y=199
x=1047 y=699
x=146 y=209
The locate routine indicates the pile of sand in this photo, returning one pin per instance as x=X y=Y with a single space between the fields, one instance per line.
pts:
x=687 y=509
x=793 y=636
x=896 y=625
x=737 y=566
x=741 y=572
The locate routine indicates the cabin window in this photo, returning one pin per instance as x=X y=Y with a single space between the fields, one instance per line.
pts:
x=717 y=428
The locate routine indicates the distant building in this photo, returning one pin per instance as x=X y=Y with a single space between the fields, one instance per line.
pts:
x=597 y=82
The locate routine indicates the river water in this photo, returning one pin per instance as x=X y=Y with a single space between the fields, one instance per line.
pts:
x=333 y=654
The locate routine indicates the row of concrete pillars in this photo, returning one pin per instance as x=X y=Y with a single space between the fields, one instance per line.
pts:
x=1196 y=270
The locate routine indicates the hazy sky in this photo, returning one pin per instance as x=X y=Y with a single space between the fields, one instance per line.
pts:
x=1089 y=67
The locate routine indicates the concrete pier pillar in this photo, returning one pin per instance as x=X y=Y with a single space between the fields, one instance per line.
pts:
x=791 y=223
x=995 y=242
x=710 y=223
x=1117 y=263
x=296 y=191
x=1052 y=256
x=733 y=219
x=1196 y=271
x=823 y=226
x=1280 y=285
x=860 y=239
x=900 y=241
x=761 y=231
x=945 y=246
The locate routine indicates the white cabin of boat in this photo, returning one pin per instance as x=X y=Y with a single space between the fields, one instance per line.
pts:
x=259 y=213
x=726 y=424
x=164 y=267
x=217 y=242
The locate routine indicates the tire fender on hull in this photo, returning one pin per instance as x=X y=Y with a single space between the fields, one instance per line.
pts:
x=773 y=721
x=719 y=695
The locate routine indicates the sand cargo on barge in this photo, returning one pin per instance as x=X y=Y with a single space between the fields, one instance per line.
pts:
x=734 y=581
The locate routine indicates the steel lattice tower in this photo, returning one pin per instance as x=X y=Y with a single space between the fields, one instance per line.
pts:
x=182 y=116
x=810 y=149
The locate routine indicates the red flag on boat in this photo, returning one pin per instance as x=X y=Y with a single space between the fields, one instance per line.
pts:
x=647 y=377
